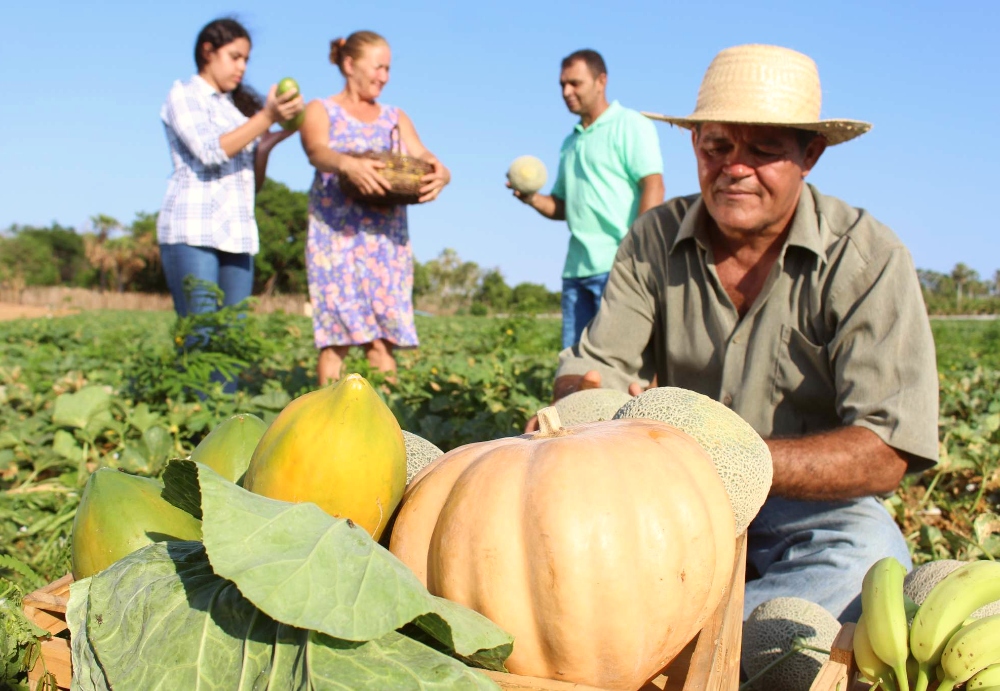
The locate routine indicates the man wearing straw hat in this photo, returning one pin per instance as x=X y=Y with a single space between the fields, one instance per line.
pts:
x=799 y=312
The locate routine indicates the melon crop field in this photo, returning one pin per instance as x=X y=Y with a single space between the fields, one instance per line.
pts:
x=117 y=389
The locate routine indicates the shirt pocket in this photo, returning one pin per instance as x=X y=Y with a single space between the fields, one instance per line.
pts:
x=803 y=394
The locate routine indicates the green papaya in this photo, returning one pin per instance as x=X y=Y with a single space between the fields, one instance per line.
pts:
x=284 y=86
x=227 y=448
x=339 y=447
x=120 y=513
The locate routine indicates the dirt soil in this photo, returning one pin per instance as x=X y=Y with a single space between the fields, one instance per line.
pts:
x=10 y=310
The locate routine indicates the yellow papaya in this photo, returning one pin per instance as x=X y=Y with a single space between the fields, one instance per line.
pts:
x=120 y=513
x=227 y=448
x=339 y=447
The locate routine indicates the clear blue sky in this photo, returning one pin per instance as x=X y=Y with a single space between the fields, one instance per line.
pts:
x=83 y=84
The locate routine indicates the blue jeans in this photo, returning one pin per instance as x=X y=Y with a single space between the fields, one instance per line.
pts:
x=233 y=273
x=819 y=551
x=580 y=299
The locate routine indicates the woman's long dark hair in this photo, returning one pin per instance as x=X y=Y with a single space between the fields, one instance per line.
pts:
x=218 y=33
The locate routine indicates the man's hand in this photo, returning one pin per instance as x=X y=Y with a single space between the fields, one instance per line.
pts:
x=526 y=198
x=546 y=205
x=571 y=383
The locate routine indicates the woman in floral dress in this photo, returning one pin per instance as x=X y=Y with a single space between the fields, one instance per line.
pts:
x=358 y=256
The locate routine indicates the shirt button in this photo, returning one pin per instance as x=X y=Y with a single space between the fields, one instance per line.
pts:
x=737 y=339
x=727 y=400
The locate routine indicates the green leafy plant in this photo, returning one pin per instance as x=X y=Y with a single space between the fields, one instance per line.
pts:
x=209 y=349
x=250 y=594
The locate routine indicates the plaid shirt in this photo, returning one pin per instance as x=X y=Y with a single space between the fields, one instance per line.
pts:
x=210 y=197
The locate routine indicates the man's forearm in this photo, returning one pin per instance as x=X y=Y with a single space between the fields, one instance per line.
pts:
x=548 y=206
x=651 y=192
x=841 y=464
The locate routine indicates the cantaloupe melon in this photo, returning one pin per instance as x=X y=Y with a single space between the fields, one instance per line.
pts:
x=919 y=582
x=527 y=174
x=419 y=453
x=741 y=457
x=768 y=634
x=590 y=405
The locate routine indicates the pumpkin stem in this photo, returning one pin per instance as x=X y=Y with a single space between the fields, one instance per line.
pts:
x=549 y=424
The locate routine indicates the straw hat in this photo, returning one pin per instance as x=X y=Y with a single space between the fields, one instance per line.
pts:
x=765 y=85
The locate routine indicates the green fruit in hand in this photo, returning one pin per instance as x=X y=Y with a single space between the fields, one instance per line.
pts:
x=227 y=448
x=120 y=513
x=284 y=86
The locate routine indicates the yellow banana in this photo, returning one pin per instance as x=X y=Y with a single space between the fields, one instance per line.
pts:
x=869 y=664
x=946 y=608
x=885 y=614
x=972 y=649
x=985 y=679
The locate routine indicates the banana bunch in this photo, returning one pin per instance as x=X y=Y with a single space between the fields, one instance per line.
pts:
x=896 y=642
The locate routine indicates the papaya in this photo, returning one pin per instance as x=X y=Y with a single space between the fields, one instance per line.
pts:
x=339 y=447
x=227 y=448
x=120 y=513
x=284 y=86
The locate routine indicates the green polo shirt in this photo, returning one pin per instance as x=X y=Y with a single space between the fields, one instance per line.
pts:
x=598 y=179
x=839 y=334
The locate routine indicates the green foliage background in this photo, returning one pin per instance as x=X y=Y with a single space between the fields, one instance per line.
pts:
x=112 y=255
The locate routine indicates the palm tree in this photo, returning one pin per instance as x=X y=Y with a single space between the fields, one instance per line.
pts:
x=95 y=247
x=962 y=275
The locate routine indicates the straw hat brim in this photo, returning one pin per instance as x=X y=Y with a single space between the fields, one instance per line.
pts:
x=835 y=131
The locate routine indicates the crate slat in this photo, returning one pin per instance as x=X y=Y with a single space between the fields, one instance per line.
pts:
x=840 y=672
x=46 y=608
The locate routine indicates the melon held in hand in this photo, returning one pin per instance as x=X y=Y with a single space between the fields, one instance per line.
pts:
x=527 y=174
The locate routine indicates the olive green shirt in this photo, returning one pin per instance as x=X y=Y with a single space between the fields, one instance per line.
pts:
x=838 y=336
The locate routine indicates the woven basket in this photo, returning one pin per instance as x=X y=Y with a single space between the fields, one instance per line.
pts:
x=402 y=172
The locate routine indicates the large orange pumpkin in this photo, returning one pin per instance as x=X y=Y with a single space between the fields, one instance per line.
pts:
x=602 y=547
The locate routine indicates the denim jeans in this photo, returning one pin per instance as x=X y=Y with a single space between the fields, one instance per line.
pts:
x=233 y=273
x=580 y=299
x=819 y=551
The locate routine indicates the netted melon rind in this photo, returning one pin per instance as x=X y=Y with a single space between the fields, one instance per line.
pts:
x=590 y=405
x=919 y=582
x=741 y=457
x=527 y=174
x=419 y=453
x=769 y=632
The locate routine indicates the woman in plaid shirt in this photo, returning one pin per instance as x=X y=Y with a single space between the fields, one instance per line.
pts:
x=220 y=139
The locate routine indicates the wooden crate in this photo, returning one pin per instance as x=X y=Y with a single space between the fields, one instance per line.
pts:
x=46 y=607
x=711 y=662
x=840 y=672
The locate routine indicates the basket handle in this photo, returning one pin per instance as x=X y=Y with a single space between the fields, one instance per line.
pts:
x=396 y=140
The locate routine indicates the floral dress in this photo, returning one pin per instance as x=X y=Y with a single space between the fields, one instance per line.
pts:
x=358 y=257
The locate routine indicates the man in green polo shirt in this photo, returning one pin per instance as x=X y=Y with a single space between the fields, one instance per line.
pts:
x=610 y=171
x=801 y=313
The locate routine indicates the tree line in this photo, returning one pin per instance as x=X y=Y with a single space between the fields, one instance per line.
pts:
x=114 y=256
